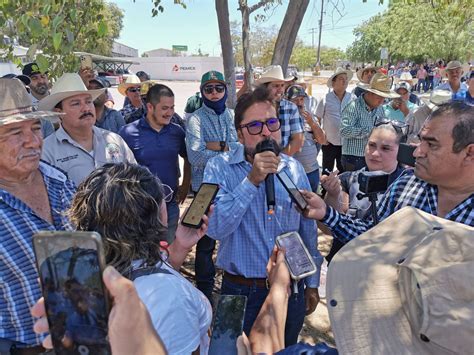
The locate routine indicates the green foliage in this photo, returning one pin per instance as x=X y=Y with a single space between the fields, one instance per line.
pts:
x=304 y=57
x=417 y=30
x=58 y=28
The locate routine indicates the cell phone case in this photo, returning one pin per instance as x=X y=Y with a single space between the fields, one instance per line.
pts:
x=196 y=226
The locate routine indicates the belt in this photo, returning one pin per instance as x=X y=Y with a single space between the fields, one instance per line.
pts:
x=33 y=350
x=259 y=282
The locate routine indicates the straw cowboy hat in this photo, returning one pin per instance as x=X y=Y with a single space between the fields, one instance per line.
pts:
x=130 y=81
x=338 y=71
x=436 y=98
x=15 y=105
x=69 y=84
x=362 y=70
x=404 y=287
x=380 y=84
x=272 y=73
x=407 y=77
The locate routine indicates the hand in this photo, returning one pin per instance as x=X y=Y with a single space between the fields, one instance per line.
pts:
x=263 y=164
x=182 y=193
x=216 y=146
x=277 y=271
x=130 y=328
x=311 y=297
x=86 y=74
x=331 y=183
x=307 y=116
x=243 y=345
x=187 y=237
x=316 y=208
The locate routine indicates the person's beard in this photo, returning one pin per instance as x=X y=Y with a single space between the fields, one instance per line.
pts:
x=250 y=152
x=41 y=89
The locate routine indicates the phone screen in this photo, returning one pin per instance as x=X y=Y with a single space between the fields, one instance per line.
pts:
x=228 y=324
x=75 y=299
x=200 y=205
x=290 y=186
x=297 y=257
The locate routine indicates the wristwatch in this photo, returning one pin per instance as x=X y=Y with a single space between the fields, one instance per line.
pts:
x=222 y=144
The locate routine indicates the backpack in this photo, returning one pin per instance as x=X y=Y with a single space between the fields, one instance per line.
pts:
x=193 y=103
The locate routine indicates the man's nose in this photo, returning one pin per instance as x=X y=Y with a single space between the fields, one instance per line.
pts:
x=265 y=131
x=419 y=152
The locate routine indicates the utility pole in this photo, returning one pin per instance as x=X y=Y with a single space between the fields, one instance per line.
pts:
x=318 y=62
x=312 y=31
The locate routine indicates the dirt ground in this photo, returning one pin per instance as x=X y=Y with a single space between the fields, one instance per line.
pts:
x=316 y=327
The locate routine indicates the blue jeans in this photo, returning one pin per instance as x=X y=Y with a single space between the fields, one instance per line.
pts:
x=204 y=266
x=352 y=162
x=313 y=178
x=255 y=298
x=173 y=216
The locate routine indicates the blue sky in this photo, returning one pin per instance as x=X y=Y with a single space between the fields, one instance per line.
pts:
x=196 y=26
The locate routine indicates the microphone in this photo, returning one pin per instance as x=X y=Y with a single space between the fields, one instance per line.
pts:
x=272 y=146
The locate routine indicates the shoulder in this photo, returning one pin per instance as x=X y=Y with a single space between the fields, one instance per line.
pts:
x=53 y=172
x=176 y=129
x=130 y=128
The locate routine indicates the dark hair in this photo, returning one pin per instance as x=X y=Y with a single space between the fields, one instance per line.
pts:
x=260 y=94
x=156 y=92
x=122 y=203
x=463 y=130
x=59 y=105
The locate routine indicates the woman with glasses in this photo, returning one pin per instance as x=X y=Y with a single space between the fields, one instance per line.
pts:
x=380 y=155
x=123 y=202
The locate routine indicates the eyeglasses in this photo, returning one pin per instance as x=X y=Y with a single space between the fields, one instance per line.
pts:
x=400 y=127
x=133 y=90
x=208 y=89
x=256 y=127
x=168 y=193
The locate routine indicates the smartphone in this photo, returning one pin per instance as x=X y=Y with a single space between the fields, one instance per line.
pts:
x=290 y=186
x=200 y=205
x=405 y=154
x=70 y=266
x=86 y=61
x=228 y=324
x=298 y=259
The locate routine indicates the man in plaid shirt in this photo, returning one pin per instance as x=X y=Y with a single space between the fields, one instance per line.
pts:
x=442 y=182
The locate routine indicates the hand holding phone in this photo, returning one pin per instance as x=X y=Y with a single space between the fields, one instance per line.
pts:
x=298 y=259
x=200 y=205
x=293 y=190
x=86 y=62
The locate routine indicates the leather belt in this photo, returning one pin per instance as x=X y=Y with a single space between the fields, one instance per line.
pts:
x=33 y=350
x=259 y=282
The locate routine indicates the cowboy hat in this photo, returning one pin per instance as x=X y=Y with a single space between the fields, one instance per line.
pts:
x=380 y=84
x=404 y=287
x=338 y=71
x=69 y=84
x=272 y=73
x=362 y=70
x=406 y=76
x=436 y=98
x=130 y=81
x=16 y=106
x=454 y=64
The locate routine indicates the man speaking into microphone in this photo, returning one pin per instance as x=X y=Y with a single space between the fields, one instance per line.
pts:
x=241 y=220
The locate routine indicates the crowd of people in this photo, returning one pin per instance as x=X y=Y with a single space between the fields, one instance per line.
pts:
x=72 y=162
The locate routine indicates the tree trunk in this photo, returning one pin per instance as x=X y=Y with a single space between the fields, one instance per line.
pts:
x=248 y=76
x=222 y=9
x=288 y=31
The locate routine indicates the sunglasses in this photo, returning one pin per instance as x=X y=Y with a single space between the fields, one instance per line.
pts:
x=208 y=89
x=400 y=127
x=134 y=90
x=256 y=127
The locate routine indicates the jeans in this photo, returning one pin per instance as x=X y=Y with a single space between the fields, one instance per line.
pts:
x=173 y=216
x=352 y=162
x=332 y=153
x=204 y=266
x=313 y=178
x=255 y=298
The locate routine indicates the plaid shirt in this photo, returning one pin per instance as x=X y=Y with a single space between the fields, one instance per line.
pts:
x=19 y=288
x=131 y=113
x=290 y=121
x=356 y=124
x=407 y=190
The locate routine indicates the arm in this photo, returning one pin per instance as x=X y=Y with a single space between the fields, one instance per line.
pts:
x=295 y=144
x=350 y=127
x=335 y=196
x=184 y=188
x=198 y=153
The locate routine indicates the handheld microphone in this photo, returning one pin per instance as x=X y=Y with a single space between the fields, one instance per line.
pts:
x=272 y=146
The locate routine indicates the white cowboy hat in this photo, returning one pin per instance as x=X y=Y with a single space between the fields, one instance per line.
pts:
x=130 y=81
x=16 y=106
x=404 y=287
x=272 y=73
x=406 y=76
x=69 y=84
x=362 y=70
x=338 y=71
x=381 y=85
x=436 y=98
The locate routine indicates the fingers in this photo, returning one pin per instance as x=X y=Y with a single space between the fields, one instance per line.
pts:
x=47 y=342
x=121 y=289
x=38 y=310
x=41 y=326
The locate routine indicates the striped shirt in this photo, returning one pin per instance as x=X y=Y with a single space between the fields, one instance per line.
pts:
x=240 y=221
x=329 y=111
x=290 y=121
x=357 y=121
x=202 y=127
x=19 y=288
x=407 y=190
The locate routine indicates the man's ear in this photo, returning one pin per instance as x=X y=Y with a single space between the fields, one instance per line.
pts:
x=149 y=107
x=469 y=153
